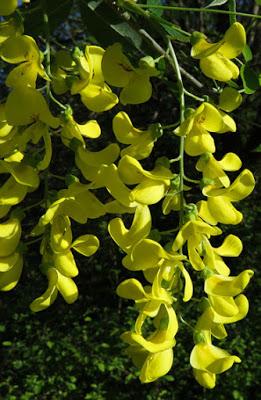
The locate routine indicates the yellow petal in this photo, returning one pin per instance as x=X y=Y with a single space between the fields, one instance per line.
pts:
x=86 y=245
x=224 y=305
x=10 y=234
x=67 y=288
x=219 y=285
x=140 y=228
x=234 y=41
x=205 y=379
x=242 y=305
x=65 y=263
x=218 y=67
x=26 y=105
x=10 y=278
x=49 y=296
x=138 y=90
x=210 y=118
x=124 y=130
x=61 y=234
x=116 y=67
x=7 y=8
x=131 y=289
x=145 y=254
x=199 y=141
x=148 y=191
x=188 y=292
x=230 y=99
x=231 y=247
x=90 y=129
x=223 y=211
x=98 y=98
x=156 y=365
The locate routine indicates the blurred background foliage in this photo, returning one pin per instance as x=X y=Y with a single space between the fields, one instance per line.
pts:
x=74 y=352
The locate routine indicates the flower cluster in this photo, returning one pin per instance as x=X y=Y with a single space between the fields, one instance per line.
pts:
x=128 y=189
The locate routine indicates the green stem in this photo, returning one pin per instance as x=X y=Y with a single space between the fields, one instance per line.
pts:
x=175 y=65
x=33 y=241
x=32 y=205
x=170 y=126
x=187 y=93
x=62 y=178
x=196 y=9
x=233 y=8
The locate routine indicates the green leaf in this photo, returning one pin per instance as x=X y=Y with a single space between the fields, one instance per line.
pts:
x=105 y=24
x=216 y=3
x=174 y=31
x=57 y=11
x=155 y=11
x=258 y=2
x=247 y=53
x=249 y=78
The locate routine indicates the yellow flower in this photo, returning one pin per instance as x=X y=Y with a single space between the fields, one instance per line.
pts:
x=7 y=7
x=95 y=94
x=214 y=169
x=26 y=105
x=154 y=355
x=196 y=127
x=119 y=72
x=215 y=58
x=72 y=130
x=57 y=282
x=9 y=28
x=151 y=185
x=219 y=207
x=141 y=142
x=24 y=51
x=208 y=360
x=194 y=233
x=140 y=228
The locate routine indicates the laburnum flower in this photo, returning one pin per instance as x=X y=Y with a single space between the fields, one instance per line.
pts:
x=221 y=291
x=229 y=99
x=24 y=51
x=196 y=127
x=91 y=162
x=25 y=105
x=140 y=228
x=194 y=232
x=119 y=72
x=57 y=282
x=207 y=361
x=151 y=185
x=7 y=7
x=23 y=179
x=77 y=202
x=213 y=256
x=213 y=169
x=95 y=94
x=11 y=27
x=11 y=259
x=153 y=355
x=72 y=130
x=215 y=58
x=141 y=142
x=219 y=205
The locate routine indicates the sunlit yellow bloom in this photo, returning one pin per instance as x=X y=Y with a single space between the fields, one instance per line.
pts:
x=135 y=82
x=9 y=28
x=154 y=355
x=63 y=64
x=218 y=285
x=215 y=57
x=219 y=207
x=196 y=127
x=7 y=7
x=194 y=232
x=95 y=94
x=149 y=254
x=26 y=105
x=71 y=130
x=22 y=50
x=10 y=277
x=10 y=234
x=56 y=282
x=140 y=228
x=76 y=202
x=214 y=169
x=91 y=162
x=141 y=142
x=231 y=247
x=229 y=99
x=208 y=360
x=152 y=185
